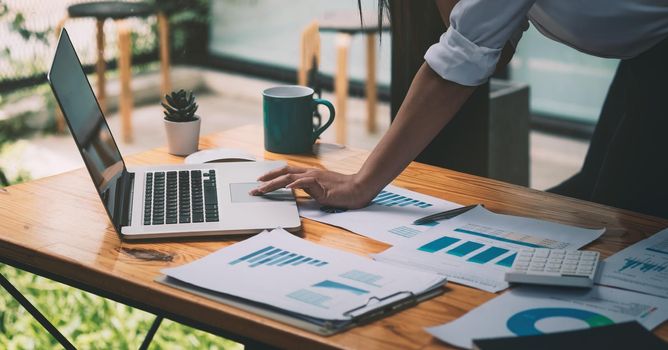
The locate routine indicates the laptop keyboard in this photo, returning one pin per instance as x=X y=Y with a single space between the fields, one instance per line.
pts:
x=182 y=197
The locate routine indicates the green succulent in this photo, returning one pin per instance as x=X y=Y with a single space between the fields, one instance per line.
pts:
x=180 y=106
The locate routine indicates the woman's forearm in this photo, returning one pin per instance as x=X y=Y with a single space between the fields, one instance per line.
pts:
x=430 y=104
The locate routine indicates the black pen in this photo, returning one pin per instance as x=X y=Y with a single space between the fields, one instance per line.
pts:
x=449 y=214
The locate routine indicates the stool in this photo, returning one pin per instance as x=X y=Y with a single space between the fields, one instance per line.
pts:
x=119 y=11
x=345 y=24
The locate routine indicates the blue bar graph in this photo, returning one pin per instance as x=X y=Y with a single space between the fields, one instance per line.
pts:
x=487 y=255
x=290 y=261
x=311 y=298
x=270 y=256
x=251 y=255
x=279 y=260
x=389 y=199
x=497 y=238
x=340 y=286
x=646 y=265
x=305 y=260
x=465 y=248
x=507 y=261
x=363 y=277
x=404 y=231
x=270 y=259
x=438 y=244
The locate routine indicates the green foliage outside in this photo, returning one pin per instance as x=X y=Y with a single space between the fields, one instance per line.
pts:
x=88 y=321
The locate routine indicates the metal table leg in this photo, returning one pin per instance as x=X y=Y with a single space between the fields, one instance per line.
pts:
x=151 y=333
x=9 y=287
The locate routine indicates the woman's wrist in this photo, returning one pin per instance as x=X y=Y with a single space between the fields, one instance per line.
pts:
x=366 y=186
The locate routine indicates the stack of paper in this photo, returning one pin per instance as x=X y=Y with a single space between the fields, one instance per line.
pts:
x=294 y=278
x=477 y=248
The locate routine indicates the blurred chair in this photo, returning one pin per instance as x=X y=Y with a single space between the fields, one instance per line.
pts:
x=119 y=11
x=345 y=24
x=309 y=62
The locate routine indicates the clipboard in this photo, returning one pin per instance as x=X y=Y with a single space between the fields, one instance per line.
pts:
x=375 y=308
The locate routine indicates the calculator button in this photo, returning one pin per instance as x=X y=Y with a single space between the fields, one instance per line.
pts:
x=542 y=254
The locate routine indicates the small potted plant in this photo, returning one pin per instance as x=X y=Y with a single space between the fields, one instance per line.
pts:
x=181 y=123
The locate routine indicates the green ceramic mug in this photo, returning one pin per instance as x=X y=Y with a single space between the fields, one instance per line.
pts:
x=288 y=119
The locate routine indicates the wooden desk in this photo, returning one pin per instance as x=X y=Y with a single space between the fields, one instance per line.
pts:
x=57 y=227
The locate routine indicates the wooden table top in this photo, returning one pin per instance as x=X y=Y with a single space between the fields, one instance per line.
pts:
x=57 y=224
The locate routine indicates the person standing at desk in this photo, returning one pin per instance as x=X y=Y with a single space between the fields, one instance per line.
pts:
x=625 y=166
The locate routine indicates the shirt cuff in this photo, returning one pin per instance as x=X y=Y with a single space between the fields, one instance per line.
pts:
x=457 y=59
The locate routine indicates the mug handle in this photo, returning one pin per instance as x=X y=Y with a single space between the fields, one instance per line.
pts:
x=319 y=101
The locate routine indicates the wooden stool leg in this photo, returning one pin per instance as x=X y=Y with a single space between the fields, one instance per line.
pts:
x=60 y=118
x=371 y=90
x=341 y=86
x=163 y=29
x=101 y=67
x=310 y=53
x=124 y=67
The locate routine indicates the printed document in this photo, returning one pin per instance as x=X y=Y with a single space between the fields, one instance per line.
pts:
x=279 y=270
x=477 y=248
x=537 y=310
x=388 y=218
x=642 y=267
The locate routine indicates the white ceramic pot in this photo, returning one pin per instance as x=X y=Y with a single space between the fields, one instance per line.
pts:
x=182 y=137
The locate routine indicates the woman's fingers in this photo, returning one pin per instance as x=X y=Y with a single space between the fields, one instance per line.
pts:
x=281 y=171
x=311 y=186
x=276 y=183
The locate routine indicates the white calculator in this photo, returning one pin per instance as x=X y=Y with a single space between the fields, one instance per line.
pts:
x=554 y=267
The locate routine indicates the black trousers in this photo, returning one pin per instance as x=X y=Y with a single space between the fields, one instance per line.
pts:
x=627 y=162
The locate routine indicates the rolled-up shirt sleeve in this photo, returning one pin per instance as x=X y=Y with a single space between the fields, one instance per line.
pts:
x=468 y=51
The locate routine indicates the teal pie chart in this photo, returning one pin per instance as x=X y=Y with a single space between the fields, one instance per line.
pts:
x=524 y=322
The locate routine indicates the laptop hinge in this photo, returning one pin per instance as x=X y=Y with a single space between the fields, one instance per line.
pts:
x=126 y=200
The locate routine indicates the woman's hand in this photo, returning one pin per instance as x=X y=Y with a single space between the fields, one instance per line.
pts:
x=429 y=105
x=326 y=187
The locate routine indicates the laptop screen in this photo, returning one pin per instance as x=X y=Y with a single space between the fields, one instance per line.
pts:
x=88 y=126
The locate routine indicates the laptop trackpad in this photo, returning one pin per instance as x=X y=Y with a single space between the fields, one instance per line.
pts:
x=239 y=194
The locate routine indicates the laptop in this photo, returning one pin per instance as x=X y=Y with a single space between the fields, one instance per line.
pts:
x=163 y=201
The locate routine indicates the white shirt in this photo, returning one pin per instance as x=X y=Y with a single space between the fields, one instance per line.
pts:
x=468 y=51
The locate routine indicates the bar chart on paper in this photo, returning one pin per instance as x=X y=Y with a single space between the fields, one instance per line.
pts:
x=271 y=256
x=390 y=199
x=642 y=267
x=457 y=247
